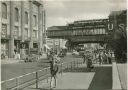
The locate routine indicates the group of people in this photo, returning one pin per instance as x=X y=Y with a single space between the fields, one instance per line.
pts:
x=102 y=57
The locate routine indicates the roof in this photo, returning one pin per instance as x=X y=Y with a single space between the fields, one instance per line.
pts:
x=90 y=21
x=56 y=28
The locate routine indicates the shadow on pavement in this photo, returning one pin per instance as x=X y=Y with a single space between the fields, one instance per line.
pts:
x=79 y=69
x=102 y=79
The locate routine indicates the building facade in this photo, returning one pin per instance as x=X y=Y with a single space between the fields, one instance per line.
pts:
x=22 y=27
x=56 y=44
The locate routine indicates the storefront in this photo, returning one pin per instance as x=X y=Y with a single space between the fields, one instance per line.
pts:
x=17 y=46
x=25 y=46
x=4 y=48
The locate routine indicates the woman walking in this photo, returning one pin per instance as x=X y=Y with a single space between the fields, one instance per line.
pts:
x=53 y=70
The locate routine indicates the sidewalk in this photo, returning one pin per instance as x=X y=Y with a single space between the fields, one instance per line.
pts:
x=12 y=60
x=9 y=61
x=122 y=70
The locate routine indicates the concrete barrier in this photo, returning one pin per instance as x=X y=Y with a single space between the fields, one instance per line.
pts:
x=116 y=81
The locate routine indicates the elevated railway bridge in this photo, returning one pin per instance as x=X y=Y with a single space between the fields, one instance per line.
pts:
x=89 y=31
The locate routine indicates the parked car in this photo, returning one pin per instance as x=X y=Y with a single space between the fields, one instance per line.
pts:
x=31 y=58
x=75 y=53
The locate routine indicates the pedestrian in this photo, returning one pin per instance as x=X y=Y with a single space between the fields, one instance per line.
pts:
x=89 y=60
x=53 y=70
x=104 y=57
x=18 y=56
x=84 y=58
x=15 y=55
x=60 y=62
x=84 y=54
x=109 y=58
x=100 y=58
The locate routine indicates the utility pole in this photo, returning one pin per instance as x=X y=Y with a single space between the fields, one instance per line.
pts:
x=44 y=29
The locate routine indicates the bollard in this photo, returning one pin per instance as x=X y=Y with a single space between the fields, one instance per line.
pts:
x=67 y=65
x=77 y=64
x=74 y=64
x=17 y=84
x=61 y=68
x=36 y=79
x=71 y=65
x=46 y=72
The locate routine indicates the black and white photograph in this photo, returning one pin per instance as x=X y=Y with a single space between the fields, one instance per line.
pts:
x=63 y=44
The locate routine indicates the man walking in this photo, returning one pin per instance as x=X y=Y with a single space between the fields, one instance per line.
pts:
x=100 y=58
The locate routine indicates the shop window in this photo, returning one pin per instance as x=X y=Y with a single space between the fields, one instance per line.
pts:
x=4 y=11
x=26 y=17
x=103 y=31
x=16 y=14
x=91 y=32
x=4 y=30
x=35 y=45
x=4 y=50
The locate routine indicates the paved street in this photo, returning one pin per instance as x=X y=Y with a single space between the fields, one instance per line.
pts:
x=12 y=70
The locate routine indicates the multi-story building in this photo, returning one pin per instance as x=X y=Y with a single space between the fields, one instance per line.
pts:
x=22 y=27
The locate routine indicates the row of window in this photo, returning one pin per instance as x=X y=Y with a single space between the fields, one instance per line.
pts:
x=4 y=30
x=16 y=13
x=78 y=32
x=16 y=28
x=59 y=33
x=89 y=32
x=17 y=32
x=87 y=26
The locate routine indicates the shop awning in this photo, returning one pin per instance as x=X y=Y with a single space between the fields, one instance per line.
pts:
x=64 y=47
x=47 y=46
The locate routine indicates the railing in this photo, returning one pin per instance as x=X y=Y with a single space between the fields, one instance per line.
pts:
x=34 y=77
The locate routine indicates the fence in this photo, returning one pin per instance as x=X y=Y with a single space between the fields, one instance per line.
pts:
x=26 y=80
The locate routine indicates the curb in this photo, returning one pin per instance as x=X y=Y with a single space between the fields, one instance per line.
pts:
x=116 y=84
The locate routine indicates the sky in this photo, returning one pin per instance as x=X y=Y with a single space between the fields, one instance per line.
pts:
x=62 y=12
